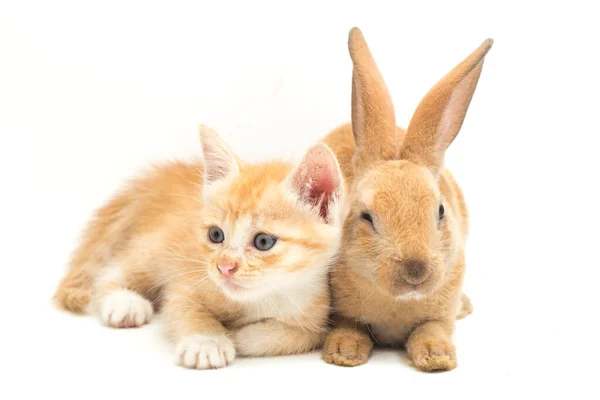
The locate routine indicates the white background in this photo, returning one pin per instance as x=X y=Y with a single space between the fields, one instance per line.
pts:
x=92 y=91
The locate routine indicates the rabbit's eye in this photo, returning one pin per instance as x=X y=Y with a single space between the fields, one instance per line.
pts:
x=367 y=217
x=441 y=212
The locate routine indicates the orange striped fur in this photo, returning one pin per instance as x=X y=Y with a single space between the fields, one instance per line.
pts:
x=149 y=249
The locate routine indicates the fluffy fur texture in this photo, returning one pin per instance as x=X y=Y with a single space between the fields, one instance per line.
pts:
x=150 y=247
x=399 y=276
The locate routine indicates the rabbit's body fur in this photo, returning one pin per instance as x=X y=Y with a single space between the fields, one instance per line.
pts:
x=390 y=321
x=398 y=280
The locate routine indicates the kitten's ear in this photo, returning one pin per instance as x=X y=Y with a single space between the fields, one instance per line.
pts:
x=317 y=181
x=219 y=161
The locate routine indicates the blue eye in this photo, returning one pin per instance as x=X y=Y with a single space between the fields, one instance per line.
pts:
x=216 y=235
x=264 y=242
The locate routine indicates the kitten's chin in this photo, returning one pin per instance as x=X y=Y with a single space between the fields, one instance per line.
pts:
x=239 y=292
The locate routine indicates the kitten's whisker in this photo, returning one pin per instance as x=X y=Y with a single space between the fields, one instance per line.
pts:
x=199 y=284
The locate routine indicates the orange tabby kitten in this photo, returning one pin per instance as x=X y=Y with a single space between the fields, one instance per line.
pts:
x=235 y=254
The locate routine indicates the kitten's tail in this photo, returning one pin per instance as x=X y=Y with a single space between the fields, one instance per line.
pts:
x=102 y=236
x=74 y=291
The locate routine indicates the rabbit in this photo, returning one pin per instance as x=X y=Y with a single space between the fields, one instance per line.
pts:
x=398 y=278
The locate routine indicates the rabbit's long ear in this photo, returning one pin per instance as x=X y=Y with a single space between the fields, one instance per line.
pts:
x=373 y=117
x=440 y=114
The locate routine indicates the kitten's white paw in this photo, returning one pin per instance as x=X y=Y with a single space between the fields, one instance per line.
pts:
x=125 y=309
x=203 y=352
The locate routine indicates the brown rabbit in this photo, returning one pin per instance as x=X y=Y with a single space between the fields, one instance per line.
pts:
x=399 y=277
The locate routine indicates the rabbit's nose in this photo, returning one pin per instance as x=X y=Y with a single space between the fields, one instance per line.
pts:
x=414 y=271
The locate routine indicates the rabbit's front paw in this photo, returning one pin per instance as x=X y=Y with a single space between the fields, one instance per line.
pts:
x=438 y=355
x=347 y=348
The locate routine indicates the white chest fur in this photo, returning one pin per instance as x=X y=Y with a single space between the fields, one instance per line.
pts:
x=283 y=303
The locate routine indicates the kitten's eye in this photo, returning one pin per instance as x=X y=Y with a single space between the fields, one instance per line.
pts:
x=367 y=217
x=264 y=242
x=441 y=211
x=215 y=234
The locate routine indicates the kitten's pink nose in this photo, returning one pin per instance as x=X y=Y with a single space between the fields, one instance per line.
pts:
x=227 y=269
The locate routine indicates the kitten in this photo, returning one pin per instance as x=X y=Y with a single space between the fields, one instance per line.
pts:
x=236 y=255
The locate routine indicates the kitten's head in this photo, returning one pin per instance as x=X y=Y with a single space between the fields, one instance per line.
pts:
x=269 y=227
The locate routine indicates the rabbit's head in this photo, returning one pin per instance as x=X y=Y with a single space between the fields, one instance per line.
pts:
x=402 y=233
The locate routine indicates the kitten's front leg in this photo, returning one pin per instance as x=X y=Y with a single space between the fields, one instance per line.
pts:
x=273 y=338
x=430 y=348
x=202 y=341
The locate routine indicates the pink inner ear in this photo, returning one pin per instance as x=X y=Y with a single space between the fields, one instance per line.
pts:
x=318 y=179
x=321 y=191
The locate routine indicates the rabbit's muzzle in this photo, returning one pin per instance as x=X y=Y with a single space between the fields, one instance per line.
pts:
x=412 y=271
